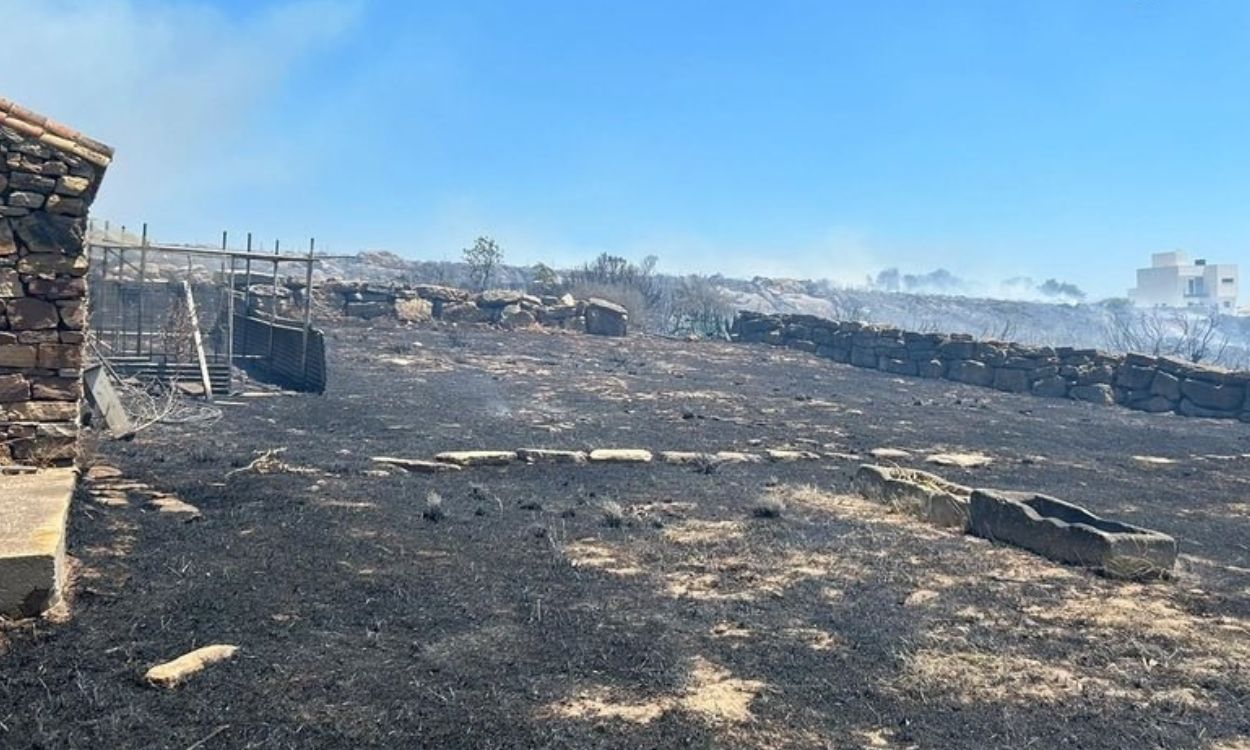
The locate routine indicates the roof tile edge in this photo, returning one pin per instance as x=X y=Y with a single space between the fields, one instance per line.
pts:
x=54 y=134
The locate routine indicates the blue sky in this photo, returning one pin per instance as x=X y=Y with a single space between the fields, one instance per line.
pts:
x=811 y=139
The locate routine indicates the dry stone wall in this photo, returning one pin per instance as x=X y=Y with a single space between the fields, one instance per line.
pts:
x=1136 y=381
x=49 y=175
x=509 y=308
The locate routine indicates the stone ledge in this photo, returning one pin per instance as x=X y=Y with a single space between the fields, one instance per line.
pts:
x=34 y=509
x=1067 y=533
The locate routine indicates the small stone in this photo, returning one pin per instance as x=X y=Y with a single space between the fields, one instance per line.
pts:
x=72 y=186
x=477 y=458
x=172 y=673
x=543 y=455
x=621 y=456
x=22 y=199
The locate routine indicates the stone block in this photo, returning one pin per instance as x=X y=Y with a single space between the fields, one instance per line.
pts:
x=548 y=456
x=1011 y=380
x=59 y=356
x=620 y=456
x=30 y=314
x=916 y=493
x=604 y=318
x=14 y=388
x=862 y=356
x=1069 y=534
x=1134 y=377
x=21 y=356
x=1152 y=404
x=1166 y=385
x=955 y=349
x=44 y=233
x=970 y=371
x=24 y=199
x=1098 y=393
x=1188 y=408
x=477 y=458
x=32 y=540
x=932 y=369
x=41 y=411
x=55 y=389
x=1213 y=396
x=897 y=366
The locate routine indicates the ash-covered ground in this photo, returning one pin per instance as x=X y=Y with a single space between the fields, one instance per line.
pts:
x=531 y=614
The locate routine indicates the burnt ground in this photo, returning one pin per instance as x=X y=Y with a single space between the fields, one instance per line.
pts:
x=522 y=618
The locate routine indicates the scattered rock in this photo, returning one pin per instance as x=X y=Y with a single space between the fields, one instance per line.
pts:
x=416 y=466
x=788 y=456
x=172 y=673
x=962 y=460
x=544 y=455
x=889 y=453
x=477 y=458
x=621 y=456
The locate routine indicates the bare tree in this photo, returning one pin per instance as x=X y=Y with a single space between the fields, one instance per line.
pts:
x=483 y=258
x=700 y=306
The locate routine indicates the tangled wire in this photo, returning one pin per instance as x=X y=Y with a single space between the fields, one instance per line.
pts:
x=150 y=400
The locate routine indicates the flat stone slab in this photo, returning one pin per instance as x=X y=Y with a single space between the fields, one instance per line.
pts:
x=621 y=456
x=549 y=456
x=477 y=458
x=1069 y=534
x=782 y=455
x=416 y=465
x=33 y=513
x=916 y=493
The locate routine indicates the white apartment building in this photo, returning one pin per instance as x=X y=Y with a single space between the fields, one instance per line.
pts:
x=1173 y=281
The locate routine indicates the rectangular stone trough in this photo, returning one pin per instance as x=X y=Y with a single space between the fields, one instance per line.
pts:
x=33 y=513
x=917 y=493
x=1069 y=534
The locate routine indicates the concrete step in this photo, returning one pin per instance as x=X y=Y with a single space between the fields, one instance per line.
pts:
x=34 y=509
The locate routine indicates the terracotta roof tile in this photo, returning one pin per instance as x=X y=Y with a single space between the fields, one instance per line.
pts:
x=53 y=133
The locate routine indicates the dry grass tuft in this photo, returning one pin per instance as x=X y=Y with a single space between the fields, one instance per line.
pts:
x=768 y=506
x=612 y=513
x=434 y=507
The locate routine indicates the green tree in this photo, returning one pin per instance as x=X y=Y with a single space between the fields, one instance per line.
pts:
x=483 y=258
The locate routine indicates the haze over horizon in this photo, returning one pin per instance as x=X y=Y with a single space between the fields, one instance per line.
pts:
x=1063 y=140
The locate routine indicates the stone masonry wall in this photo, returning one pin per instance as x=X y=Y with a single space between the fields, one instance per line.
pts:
x=49 y=175
x=1136 y=381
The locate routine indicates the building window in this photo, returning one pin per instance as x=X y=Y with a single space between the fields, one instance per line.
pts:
x=1227 y=280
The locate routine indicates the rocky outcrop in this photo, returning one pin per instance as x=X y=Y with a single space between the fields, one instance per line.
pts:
x=49 y=175
x=1136 y=381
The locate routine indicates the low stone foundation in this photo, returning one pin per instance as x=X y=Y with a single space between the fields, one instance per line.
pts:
x=1136 y=381
x=508 y=308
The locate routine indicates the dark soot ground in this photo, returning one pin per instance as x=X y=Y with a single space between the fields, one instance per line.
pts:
x=524 y=619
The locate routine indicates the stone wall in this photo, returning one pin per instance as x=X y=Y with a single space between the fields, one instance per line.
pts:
x=1137 y=381
x=505 y=307
x=49 y=175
